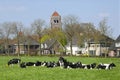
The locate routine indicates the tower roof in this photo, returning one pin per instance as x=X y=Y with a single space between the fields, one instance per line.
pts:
x=55 y=14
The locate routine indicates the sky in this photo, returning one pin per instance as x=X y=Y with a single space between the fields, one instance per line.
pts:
x=26 y=11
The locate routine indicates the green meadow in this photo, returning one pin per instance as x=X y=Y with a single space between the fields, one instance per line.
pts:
x=42 y=73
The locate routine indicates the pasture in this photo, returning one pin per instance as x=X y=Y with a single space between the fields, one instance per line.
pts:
x=42 y=73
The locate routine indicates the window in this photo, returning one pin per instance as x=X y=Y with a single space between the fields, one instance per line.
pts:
x=56 y=21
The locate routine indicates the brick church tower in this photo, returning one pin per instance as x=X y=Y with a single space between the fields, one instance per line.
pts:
x=56 y=20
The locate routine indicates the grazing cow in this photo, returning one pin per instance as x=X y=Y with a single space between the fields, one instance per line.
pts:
x=14 y=61
x=23 y=65
x=106 y=66
x=30 y=63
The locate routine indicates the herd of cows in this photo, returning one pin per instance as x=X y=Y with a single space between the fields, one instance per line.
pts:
x=62 y=62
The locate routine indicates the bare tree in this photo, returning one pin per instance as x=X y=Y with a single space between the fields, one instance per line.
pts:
x=6 y=28
x=70 y=22
x=79 y=35
x=1 y=33
x=26 y=40
x=16 y=30
x=104 y=28
x=87 y=33
x=37 y=26
x=105 y=32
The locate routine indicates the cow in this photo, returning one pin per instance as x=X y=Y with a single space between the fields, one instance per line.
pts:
x=106 y=66
x=63 y=62
x=23 y=65
x=74 y=65
x=38 y=63
x=66 y=64
x=89 y=66
x=51 y=64
x=14 y=61
x=44 y=63
x=30 y=63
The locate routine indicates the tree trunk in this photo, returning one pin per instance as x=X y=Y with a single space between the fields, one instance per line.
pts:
x=40 y=48
x=106 y=49
x=71 y=47
x=40 y=45
x=18 y=46
x=28 y=49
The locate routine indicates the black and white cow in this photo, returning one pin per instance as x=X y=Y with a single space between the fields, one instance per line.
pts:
x=44 y=63
x=63 y=62
x=30 y=63
x=23 y=65
x=74 y=65
x=51 y=64
x=66 y=64
x=89 y=66
x=14 y=61
x=38 y=63
x=106 y=66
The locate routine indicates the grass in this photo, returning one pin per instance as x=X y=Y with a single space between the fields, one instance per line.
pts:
x=43 y=73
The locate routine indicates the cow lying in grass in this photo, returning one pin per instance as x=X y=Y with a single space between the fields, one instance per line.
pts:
x=89 y=66
x=14 y=61
x=24 y=64
x=62 y=62
x=66 y=64
x=48 y=64
x=106 y=66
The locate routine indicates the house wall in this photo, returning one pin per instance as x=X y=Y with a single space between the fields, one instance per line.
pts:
x=117 y=45
x=75 y=50
x=21 y=49
x=97 y=49
x=118 y=52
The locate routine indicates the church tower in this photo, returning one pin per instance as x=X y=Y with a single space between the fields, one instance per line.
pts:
x=56 y=20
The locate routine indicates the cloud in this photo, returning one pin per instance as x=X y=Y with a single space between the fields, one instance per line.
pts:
x=12 y=8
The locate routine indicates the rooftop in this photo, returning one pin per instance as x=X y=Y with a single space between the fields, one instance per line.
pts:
x=55 y=14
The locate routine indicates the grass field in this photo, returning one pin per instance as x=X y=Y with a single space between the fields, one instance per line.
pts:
x=43 y=73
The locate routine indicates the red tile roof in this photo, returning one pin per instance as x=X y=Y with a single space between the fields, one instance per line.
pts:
x=55 y=14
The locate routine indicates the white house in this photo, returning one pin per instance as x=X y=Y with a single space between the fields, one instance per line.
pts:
x=97 y=49
x=75 y=50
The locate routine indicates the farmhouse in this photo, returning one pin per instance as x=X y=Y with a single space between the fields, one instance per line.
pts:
x=100 y=48
x=53 y=47
x=30 y=45
x=114 y=49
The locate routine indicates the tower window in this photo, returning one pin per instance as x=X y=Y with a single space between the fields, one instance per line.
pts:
x=56 y=21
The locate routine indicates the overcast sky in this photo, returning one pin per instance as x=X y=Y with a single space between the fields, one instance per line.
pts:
x=26 y=11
